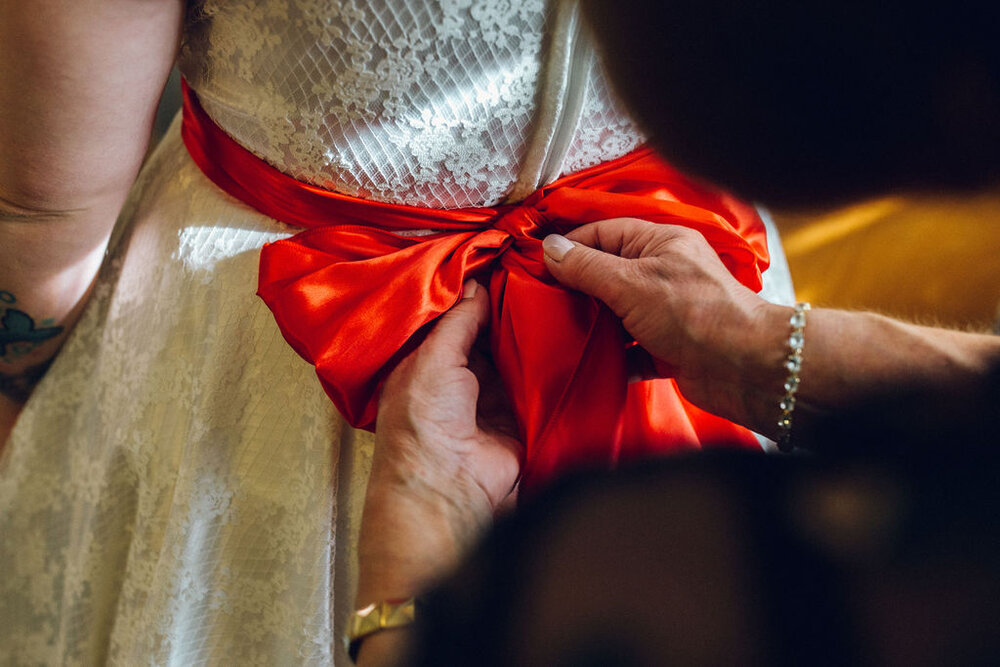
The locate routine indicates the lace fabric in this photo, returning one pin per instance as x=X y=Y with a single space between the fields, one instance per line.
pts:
x=422 y=102
x=179 y=490
x=170 y=495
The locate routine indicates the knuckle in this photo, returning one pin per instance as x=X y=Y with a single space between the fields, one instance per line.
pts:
x=686 y=233
x=687 y=240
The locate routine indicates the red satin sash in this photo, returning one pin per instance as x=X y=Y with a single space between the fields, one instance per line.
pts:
x=350 y=295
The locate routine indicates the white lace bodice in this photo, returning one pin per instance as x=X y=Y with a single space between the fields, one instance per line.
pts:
x=423 y=102
x=179 y=490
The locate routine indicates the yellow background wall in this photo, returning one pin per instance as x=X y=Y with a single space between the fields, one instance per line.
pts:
x=932 y=259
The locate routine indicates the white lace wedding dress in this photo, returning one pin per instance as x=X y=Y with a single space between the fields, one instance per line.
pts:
x=179 y=490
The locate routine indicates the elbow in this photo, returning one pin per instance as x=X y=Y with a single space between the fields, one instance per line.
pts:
x=24 y=198
x=22 y=207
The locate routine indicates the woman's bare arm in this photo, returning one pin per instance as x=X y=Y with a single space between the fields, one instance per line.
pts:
x=444 y=462
x=79 y=85
x=727 y=347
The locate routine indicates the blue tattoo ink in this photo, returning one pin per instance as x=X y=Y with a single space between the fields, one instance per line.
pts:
x=7 y=297
x=18 y=327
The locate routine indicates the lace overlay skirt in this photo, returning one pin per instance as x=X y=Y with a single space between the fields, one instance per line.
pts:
x=179 y=490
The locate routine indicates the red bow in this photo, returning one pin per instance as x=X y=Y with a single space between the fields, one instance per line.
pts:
x=349 y=295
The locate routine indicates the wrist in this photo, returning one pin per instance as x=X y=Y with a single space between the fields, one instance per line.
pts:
x=766 y=372
x=410 y=538
x=743 y=374
x=383 y=649
x=406 y=542
x=414 y=530
x=793 y=365
x=755 y=350
x=382 y=630
x=733 y=338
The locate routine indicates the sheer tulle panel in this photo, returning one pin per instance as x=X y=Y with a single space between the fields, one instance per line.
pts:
x=422 y=102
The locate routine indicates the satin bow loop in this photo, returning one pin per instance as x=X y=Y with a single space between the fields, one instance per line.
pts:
x=354 y=290
x=333 y=298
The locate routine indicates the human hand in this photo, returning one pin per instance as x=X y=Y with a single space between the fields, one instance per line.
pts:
x=436 y=419
x=441 y=466
x=675 y=297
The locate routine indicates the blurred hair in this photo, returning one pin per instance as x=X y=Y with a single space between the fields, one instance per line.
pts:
x=799 y=102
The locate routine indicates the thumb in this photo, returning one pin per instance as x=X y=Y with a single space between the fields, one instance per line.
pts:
x=587 y=269
x=452 y=337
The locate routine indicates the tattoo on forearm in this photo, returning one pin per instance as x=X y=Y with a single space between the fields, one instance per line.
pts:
x=18 y=386
x=19 y=334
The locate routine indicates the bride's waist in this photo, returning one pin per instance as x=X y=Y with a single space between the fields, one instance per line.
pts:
x=427 y=157
x=431 y=161
x=391 y=165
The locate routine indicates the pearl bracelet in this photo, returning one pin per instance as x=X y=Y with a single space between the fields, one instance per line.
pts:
x=793 y=364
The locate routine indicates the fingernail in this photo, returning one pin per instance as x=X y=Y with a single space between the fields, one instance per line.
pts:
x=556 y=246
x=469 y=288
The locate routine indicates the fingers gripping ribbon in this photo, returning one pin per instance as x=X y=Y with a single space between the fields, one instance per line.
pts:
x=351 y=295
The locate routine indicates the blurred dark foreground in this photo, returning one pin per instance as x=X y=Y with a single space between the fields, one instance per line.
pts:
x=883 y=548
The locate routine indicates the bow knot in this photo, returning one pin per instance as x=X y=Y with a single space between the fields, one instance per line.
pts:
x=351 y=297
x=522 y=221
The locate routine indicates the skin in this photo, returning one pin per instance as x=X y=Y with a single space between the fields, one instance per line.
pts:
x=78 y=92
x=445 y=461
x=725 y=345
x=435 y=477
